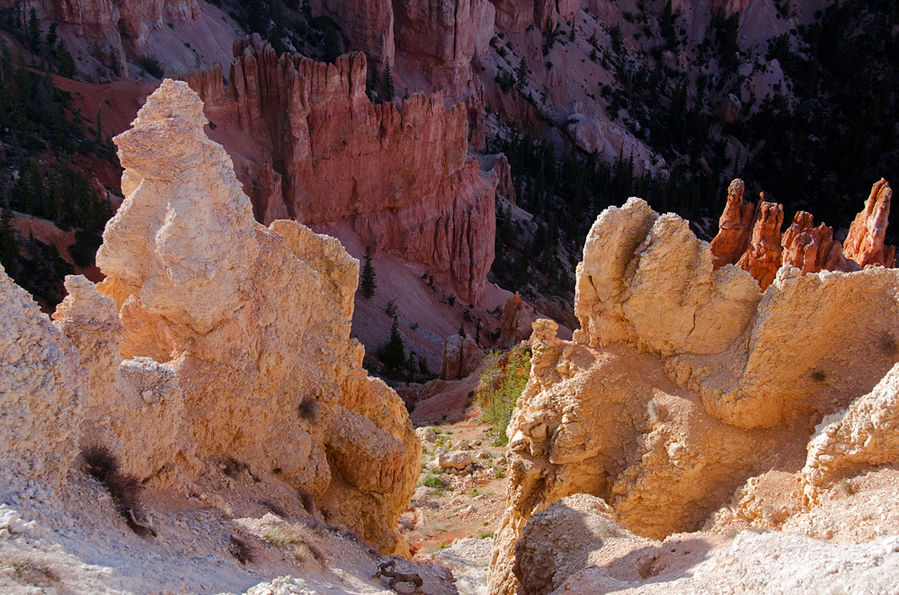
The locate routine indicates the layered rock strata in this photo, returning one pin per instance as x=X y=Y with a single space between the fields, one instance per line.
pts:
x=401 y=177
x=212 y=341
x=708 y=381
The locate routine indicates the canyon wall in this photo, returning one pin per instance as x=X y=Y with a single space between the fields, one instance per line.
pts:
x=709 y=381
x=310 y=145
x=213 y=343
x=111 y=29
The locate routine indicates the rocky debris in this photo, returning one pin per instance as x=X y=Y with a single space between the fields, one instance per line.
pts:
x=763 y=257
x=711 y=383
x=596 y=555
x=865 y=242
x=515 y=326
x=426 y=435
x=455 y=460
x=461 y=357
x=315 y=149
x=218 y=344
x=557 y=542
x=734 y=227
x=469 y=559
x=43 y=392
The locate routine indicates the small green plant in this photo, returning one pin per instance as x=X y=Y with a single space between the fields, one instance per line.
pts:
x=434 y=481
x=487 y=535
x=501 y=383
x=819 y=376
x=473 y=492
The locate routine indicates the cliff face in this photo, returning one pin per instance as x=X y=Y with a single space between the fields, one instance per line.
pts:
x=212 y=341
x=709 y=381
x=400 y=177
x=802 y=245
x=110 y=28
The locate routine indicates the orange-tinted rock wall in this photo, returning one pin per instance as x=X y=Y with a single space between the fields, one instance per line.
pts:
x=314 y=148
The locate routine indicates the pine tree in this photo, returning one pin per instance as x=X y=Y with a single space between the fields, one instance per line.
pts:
x=367 y=284
x=389 y=91
x=393 y=353
x=34 y=31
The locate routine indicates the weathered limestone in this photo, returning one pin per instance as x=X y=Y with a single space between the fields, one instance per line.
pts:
x=42 y=394
x=709 y=382
x=253 y=323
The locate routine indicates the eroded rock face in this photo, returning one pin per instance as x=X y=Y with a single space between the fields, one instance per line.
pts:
x=461 y=357
x=254 y=324
x=865 y=242
x=734 y=227
x=811 y=249
x=515 y=325
x=401 y=177
x=709 y=382
x=43 y=391
x=111 y=27
x=862 y=435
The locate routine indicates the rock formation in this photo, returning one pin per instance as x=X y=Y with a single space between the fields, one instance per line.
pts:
x=516 y=323
x=734 y=227
x=862 y=435
x=865 y=242
x=112 y=29
x=461 y=357
x=235 y=339
x=42 y=396
x=368 y=24
x=763 y=258
x=400 y=177
x=709 y=382
x=811 y=249
x=802 y=245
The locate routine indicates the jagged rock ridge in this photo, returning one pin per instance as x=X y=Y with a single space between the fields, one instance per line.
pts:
x=213 y=340
x=749 y=235
x=709 y=383
x=401 y=178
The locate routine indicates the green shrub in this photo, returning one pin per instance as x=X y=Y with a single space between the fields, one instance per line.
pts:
x=502 y=381
x=434 y=481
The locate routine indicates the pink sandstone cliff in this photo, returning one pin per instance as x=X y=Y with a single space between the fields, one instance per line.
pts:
x=311 y=146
